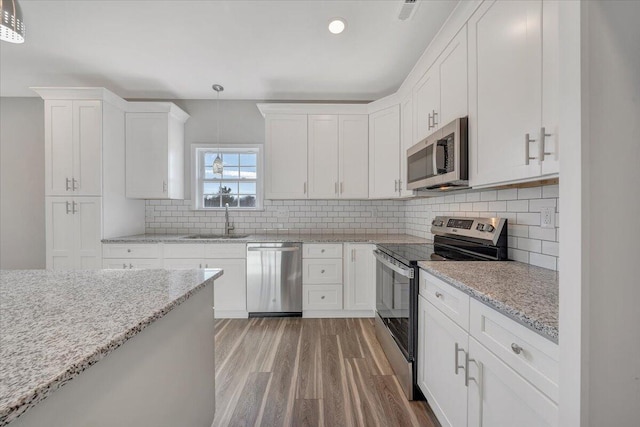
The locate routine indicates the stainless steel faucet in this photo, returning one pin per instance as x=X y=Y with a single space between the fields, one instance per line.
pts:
x=228 y=227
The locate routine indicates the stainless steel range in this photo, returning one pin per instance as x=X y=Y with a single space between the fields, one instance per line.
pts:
x=455 y=239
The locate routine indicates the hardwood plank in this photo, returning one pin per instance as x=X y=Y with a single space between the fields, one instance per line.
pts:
x=372 y=350
x=248 y=409
x=350 y=338
x=365 y=400
x=337 y=405
x=307 y=413
x=310 y=371
x=396 y=407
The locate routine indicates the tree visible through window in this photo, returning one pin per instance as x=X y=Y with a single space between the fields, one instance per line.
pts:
x=235 y=183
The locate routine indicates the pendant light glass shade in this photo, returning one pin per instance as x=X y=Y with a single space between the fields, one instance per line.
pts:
x=11 y=23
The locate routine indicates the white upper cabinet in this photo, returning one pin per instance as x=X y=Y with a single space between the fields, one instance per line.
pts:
x=353 y=156
x=286 y=156
x=155 y=152
x=406 y=141
x=323 y=157
x=440 y=96
x=384 y=153
x=506 y=90
x=73 y=147
x=550 y=88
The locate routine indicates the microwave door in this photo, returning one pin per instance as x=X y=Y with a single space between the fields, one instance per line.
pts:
x=421 y=163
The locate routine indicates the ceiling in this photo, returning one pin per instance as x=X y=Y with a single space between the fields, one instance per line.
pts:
x=271 y=50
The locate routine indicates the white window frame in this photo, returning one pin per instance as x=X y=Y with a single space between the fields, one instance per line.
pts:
x=196 y=170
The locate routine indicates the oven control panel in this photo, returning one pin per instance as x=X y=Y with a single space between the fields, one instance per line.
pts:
x=487 y=229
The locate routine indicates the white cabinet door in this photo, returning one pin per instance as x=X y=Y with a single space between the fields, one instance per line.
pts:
x=452 y=68
x=58 y=153
x=441 y=347
x=550 y=88
x=323 y=156
x=87 y=151
x=384 y=153
x=230 y=290
x=286 y=156
x=407 y=141
x=60 y=233
x=499 y=397
x=147 y=155
x=183 y=263
x=359 y=277
x=426 y=95
x=505 y=58
x=354 y=156
x=87 y=213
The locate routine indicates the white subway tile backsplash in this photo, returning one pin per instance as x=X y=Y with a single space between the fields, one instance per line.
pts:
x=545 y=261
x=508 y=194
x=518 y=206
x=530 y=193
x=550 y=248
x=530 y=245
x=537 y=204
x=529 y=218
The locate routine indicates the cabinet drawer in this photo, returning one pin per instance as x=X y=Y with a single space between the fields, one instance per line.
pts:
x=319 y=271
x=531 y=355
x=183 y=263
x=451 y=301
x=140 y=250
x=322 y=297
x=131 y=263
x=181 y=250
x=321 y=250
x=225 y=250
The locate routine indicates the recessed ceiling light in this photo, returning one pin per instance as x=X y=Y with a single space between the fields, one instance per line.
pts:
x=337 y=25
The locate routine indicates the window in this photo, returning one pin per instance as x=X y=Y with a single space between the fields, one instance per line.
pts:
x=228 y=174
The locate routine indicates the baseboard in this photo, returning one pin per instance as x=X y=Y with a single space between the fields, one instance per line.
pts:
x=337 y=313
x=231 y=314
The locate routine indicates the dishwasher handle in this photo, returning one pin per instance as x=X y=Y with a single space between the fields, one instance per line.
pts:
x=285 y=249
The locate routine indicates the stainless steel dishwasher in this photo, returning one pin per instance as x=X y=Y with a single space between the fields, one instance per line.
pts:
x=274 y=279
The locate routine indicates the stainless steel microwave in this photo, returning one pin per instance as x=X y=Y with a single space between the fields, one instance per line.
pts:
x=441 y=160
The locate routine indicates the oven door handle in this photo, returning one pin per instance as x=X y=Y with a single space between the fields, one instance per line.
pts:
x=406 y=272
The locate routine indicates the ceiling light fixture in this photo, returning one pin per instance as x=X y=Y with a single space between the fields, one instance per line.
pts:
x=337 y=25
x=217 y=163
x=11 y=23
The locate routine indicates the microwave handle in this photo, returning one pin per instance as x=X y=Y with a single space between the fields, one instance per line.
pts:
x=406 y=272
x=434 y=156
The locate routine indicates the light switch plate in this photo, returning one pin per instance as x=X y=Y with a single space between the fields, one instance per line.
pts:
x=548 y=217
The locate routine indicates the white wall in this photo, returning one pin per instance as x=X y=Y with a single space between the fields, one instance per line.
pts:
x=240 y=122
x=613 y=203
x=22 y=236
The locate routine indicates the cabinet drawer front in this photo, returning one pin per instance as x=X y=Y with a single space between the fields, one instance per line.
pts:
x=225 y=250
x=181 y=250
x=451 y=301
x=149 y=250
x=531 y=355
x=131 y=263
x=316 y=250
x=325 y=297
x=318 y=271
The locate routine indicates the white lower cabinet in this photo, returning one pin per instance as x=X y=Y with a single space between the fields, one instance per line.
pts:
x=131 y=263
x=321 y=279
x=322 y=297
x=359 y=277
x=73 y=232
x=493 y=373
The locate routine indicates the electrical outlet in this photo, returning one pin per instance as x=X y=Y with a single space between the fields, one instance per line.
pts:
x=548 y=217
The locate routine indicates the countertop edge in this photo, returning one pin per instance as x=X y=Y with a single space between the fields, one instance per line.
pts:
x=27 y=401
x=546 y=331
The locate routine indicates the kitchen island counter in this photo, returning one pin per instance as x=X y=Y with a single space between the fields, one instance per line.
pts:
x=56 y=324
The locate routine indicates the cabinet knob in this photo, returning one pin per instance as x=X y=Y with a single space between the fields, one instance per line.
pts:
x=129 y=250
x=438 y=295
x=130 y=266
x=516 y=348
x=322 y=271
x=322 y=297
x=322 y=251
x=124 y=265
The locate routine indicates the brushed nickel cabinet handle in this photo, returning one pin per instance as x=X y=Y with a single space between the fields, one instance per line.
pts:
x=130 y=266
x=68 y=205
x=164 y=186
x=74 y=210
x=124 y=265
x=200 y=265
x=67 y=180
x=543 y=136
x=353 y=255
x=435 y=114
x=341 y=187
x=458 y=349
x=336 y=188
x=74 y=185
x=305 y=187
x=527 y=143
x=429 y=122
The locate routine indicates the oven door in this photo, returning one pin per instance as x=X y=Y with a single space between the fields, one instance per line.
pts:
x=394 y=282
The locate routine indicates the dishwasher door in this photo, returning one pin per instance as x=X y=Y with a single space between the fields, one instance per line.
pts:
x=274 y=279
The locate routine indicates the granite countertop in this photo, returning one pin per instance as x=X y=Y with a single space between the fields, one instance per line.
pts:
x=292 y=237
x=56 y=324
x=523 y=292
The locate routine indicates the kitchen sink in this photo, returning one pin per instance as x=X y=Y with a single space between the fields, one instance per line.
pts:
x=216 y=236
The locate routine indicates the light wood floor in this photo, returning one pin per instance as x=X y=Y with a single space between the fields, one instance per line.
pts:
x=308 y=372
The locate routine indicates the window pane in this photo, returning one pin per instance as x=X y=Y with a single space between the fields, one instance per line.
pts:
x=211 y=188
x=248 y=173
x=230 y=199
x=230 y=172
x=229 y=188
x=247 y=201
x=212 y=201
x=230 y=159
x=209 y=157
x=247 y=188
x=248 y=159
x=208 y=172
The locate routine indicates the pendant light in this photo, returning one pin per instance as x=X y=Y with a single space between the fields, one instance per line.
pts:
x=11 y=23
x=217 y=163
